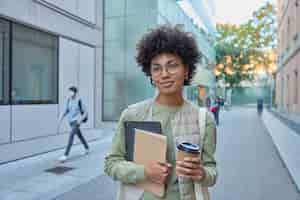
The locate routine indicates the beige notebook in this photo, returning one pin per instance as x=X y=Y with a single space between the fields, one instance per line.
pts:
x=148 y=148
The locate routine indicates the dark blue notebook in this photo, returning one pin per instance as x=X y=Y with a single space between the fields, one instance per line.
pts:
x=129 y=131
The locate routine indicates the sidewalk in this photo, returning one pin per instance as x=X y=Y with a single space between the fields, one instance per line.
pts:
x=287 y=142
x=27 y=179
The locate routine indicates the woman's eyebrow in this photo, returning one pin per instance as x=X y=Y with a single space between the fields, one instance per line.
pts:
x=155 y=64
x=171 y=61
x=168 y=62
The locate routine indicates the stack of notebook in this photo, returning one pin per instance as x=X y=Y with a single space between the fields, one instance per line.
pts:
x=145 y=144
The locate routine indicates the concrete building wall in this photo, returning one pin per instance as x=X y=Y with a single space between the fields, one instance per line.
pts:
x=78 y=26
x=287 y=80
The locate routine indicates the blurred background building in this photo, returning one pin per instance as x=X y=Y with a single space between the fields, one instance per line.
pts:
x=287 y=78
x=45 y=47
x=125 y=21
x=48 y=45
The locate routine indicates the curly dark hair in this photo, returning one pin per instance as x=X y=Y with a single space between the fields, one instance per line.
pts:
x=168 y=39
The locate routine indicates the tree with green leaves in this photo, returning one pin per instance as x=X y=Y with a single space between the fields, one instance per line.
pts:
x=247 y=49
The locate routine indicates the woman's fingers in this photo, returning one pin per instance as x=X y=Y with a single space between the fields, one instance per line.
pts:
x=189 y=171
x=164 y=167
x=189 y=164
x=192 y=159
x=192 y=170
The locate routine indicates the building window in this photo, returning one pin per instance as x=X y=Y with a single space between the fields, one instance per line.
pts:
x=34 y=66
x=296 y=88
x=4 y=62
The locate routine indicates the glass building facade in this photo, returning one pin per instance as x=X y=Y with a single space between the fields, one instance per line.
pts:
x=125 y=21
x=28 y=65
x=46 y=46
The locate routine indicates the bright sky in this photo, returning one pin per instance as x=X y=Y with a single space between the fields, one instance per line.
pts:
x=237 y=11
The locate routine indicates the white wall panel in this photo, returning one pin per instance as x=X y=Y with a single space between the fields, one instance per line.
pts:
x=39 y=15
x=87 y=10
x=4 y=124
x=30 y=121
x=87 y=81
x=68 y=72
x=69 y=5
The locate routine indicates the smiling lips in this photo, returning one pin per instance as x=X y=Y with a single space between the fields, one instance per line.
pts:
x=166 y=84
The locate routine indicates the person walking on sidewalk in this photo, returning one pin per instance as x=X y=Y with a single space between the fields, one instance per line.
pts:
x=168 y=56
x=77 y=114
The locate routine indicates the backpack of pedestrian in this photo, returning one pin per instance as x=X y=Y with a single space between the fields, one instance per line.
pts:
x=213 y=109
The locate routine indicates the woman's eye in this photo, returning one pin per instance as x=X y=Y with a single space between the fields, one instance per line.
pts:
x=174 y=65
x=155 y=68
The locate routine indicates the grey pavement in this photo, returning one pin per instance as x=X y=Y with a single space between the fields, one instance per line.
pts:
x=291 y=121
x=287 y=141
x=27 y=180
x=100 y=188
x=249 y=165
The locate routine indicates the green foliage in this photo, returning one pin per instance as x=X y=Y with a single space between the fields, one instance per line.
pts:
x=246 y=45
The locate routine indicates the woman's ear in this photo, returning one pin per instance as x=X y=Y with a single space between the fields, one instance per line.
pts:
x=186 y=75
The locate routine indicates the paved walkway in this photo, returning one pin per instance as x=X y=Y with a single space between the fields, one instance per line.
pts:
x=287 y=142
x=27 y=180
x=292 y=122
x=250 y=167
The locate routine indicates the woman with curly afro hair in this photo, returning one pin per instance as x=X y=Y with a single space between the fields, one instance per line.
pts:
x=168 y=56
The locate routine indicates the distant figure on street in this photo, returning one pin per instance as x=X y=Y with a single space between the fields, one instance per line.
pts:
x=215 y=111
x=260 y=105
x=77 y=114
x=216 y=107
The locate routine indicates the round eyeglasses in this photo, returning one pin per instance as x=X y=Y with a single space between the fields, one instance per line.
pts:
x=172 y=68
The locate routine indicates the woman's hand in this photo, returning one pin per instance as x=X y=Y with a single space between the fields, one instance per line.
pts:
x=190 y=168
x=157 y=172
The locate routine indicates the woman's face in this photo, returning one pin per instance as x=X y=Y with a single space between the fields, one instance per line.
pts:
x=168 y=73
x=71 y=94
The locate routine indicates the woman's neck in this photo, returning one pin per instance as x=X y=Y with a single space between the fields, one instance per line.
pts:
x=170 y=100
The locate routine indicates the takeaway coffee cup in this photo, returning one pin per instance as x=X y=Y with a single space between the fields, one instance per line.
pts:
x=187 y=149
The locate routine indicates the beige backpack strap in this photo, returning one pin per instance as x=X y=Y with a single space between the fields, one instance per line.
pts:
x=201 y=193
x=202 y=122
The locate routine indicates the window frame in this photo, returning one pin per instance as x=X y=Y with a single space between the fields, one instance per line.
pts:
x=53 y=101
x=5 y=102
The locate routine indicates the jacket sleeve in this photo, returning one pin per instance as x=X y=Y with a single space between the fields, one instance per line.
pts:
x=208 y=154
x=115 y=164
